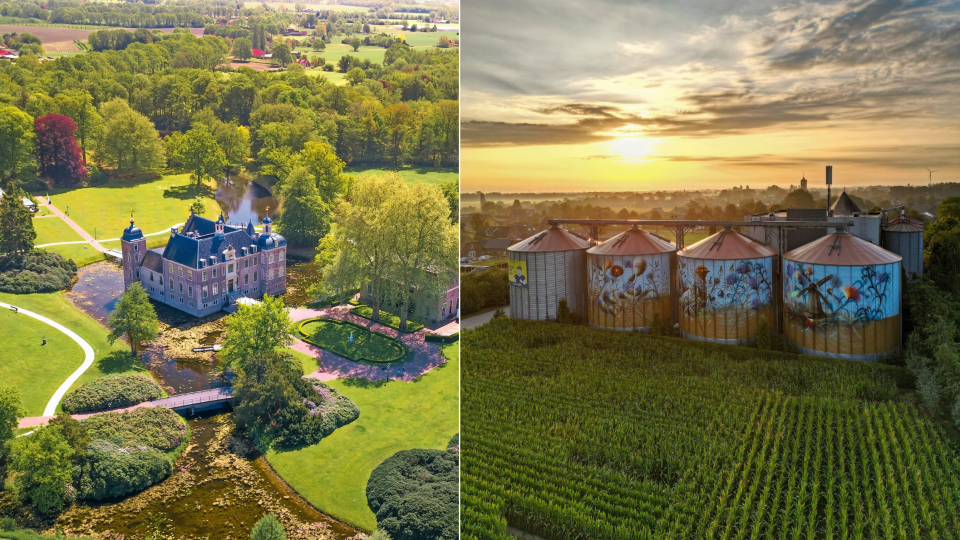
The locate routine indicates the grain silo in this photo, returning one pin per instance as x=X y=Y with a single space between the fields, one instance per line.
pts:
x=629 y=280
x=544 y=269
x=903 y=235
x=841 y=298
x=726 y=286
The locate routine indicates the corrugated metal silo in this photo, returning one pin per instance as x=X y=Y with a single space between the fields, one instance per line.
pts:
x=726 y=286
x=629 y=280
x=841 y=297
x=903 y=235
x=545 y=268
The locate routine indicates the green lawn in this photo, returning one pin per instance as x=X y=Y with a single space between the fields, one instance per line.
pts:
x=310 y=364
x=429 y=175
x=38 y=371
x=426 y=39
x=54 y=229
x=156 y=205
x=82 y=254
x=332 y=475
x=333 y=77
x=386 y=319
x=334 y=336
x=334 y=51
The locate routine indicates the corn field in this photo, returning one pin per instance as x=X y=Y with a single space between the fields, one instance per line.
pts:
x=571 y=433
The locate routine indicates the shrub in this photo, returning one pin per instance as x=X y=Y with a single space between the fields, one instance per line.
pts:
x=111 y=392
x=113 y=469
x=155 y=427
x=36 y=272
x=319 y=413
x=268 y=528
x=482 y=290
x=415 y=495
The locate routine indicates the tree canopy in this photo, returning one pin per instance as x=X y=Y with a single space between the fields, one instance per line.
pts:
x=134 y=317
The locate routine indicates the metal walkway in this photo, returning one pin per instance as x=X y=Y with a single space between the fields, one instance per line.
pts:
x=203 y=399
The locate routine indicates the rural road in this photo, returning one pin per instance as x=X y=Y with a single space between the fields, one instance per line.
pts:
x=51 y=407
x=482 y=318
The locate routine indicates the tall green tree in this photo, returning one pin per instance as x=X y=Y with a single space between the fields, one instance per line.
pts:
x=199 y=153
x=128 y=140
x=451 y=190
x=268 y=528
x=78 y=105
x=134 y=317
x=325 y=167
x=16 y=143
x=16 y=223
x=305 y=218
x=355 y=43
x=356 y=76
x=257 y=329
x=358 y=252
x=242 y=49
x=264 y=387
x=41 y=469
x=423 y=253
x=11 y=411
x=281 y=54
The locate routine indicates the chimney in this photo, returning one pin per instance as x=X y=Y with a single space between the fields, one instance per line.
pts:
x=829 y=183
x=173 y=231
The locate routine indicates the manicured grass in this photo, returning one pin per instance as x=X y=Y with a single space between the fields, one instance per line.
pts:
x=334 y=336
x=429 y=175
x=333 y=77
x=386 y=319
x=54 y=229
x=310 y=364
x=332 y=475
x=426 y=40
x=156 y=204
x=334 y=51
x=41 y=370
x=82 y=254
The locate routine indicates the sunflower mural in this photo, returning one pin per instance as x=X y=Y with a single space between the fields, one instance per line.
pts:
x=842 y=310
x=625 y=291
x=724 y=300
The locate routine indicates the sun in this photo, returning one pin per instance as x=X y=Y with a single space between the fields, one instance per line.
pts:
x=632 y=148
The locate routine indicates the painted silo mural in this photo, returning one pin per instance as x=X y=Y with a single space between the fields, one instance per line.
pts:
x=724 y=300
x=840 y=305
x=625 y=291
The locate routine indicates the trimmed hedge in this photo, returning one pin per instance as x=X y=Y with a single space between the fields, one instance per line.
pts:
x=36 y=272
x=342 y=348
x=386 y=319
x=156 y=427
x=415 y=495
x=111 y=392
x=442 y=339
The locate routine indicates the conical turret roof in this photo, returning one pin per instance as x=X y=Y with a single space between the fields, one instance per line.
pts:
x=727 y=245
x=842 y=249
x=552 y=239
x=634 y=241
x=844 y=206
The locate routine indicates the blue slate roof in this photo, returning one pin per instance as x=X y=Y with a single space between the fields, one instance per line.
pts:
x=271 y=241
x=132 y=232
x=204 y=226
x=152 y=261
x=188 y=251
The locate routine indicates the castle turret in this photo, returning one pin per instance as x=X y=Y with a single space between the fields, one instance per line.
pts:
x=133 y=246
x=218 y=226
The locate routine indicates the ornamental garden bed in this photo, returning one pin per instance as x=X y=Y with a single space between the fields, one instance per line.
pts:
x=386 y=319
x=334 y=336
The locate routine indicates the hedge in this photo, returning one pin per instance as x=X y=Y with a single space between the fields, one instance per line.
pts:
x=386 y=319
x=36 y=272
x=341 y=349
x=442 y=339
x=112 y=470
x=156 y=427
x=111 y=392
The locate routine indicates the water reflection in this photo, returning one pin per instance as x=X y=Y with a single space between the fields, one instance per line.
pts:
x=243 y=201
x=301 y=274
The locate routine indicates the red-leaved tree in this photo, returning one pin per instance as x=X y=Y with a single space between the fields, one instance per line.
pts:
x=58 y=153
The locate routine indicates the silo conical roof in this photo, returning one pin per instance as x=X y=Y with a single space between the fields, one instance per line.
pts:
x=727 y=245
x=844 y=206
x=552 y=239
x=842 y=249
x=634 y=241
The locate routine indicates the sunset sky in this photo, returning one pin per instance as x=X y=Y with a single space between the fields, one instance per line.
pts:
x=574 y=95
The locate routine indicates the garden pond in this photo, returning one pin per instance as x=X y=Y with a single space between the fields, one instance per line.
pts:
x=218 y=488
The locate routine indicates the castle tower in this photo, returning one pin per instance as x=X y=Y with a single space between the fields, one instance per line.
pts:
x=133 y=246
x=218 y=226
x=267 y=223
x=273 y=249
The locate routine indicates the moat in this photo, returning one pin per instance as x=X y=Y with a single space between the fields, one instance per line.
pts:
x=219 y=487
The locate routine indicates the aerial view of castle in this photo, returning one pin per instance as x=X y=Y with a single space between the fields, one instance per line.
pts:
x=207 y=265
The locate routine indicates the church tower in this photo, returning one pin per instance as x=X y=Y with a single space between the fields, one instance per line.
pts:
x=133 y=246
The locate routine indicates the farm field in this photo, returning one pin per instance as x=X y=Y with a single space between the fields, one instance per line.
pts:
x=429 y=175
x=156 y=205
x=332 y=475
x=38 y=371
x=591 y=434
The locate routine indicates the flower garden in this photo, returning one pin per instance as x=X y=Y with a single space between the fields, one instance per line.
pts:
x=366 y=346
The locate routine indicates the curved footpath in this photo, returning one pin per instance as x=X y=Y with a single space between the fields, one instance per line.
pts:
x=51 y=407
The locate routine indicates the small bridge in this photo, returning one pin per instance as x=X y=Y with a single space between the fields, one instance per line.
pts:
x=193 y=402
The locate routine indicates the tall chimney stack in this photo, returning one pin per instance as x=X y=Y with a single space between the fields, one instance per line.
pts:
x=829 y=183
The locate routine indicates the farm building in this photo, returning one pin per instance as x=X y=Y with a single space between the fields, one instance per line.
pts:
x=547 y=267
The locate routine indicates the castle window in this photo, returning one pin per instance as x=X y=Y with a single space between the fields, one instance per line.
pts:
x=180 y=271
x=136 y=257
x=214 y=289
x=270 y=274
x=181 y=287
x=191 y=303
x=190 y=275
x=181 y=299
x=246 y=279
x=138 y=273
x=216 y=300
x=170 y=266
x=151 y=275
x=230 y=268
x=151 y=289
x=246 y=263
x=214 y=273
x=271 y=258
x=281 y=255
x=136 y=247
x=255 y=276
x=204 y=294
x=203 y=276
x=171 y=283
x=204 y=306
x=190 y=294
